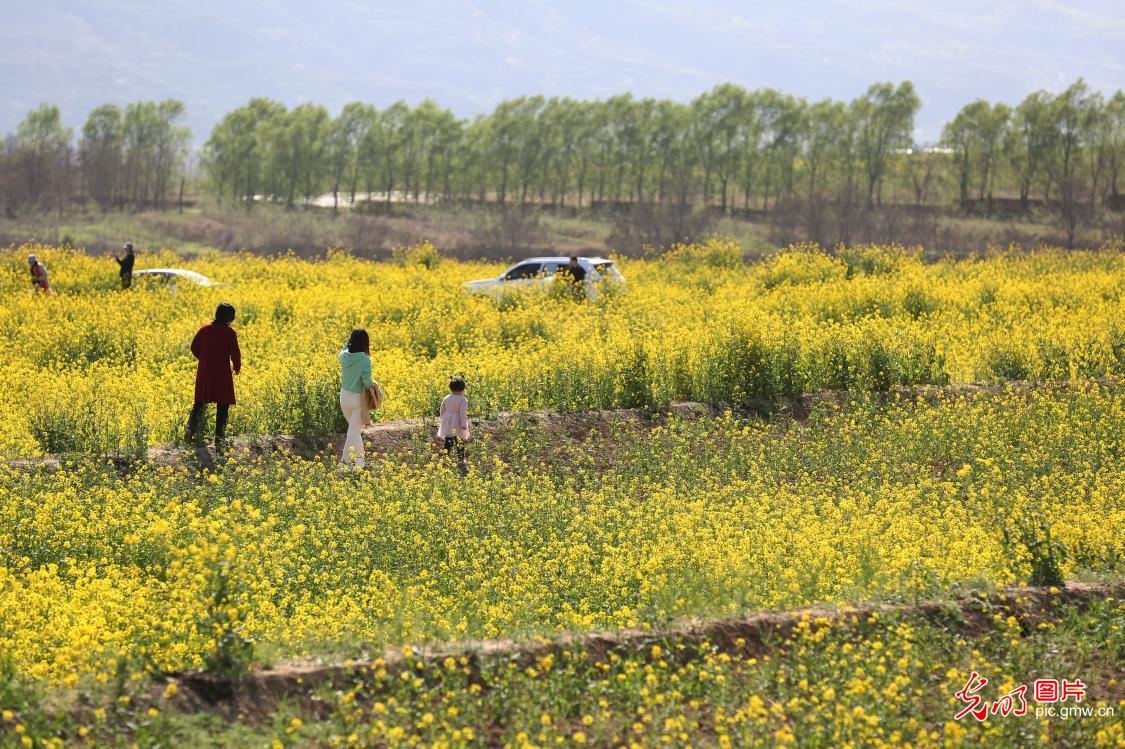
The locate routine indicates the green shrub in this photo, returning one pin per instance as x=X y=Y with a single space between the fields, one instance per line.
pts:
x=1007 y=364
x=423 y=254
x=918 y=303
x=1043 y=555
x=229 y=651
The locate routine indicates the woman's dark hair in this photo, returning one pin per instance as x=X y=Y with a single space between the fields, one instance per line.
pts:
x=358 y=341
x=457 y=385
x=224 y=313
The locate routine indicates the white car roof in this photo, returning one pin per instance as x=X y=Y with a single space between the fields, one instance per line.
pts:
x=188 y=275
x=563 y=259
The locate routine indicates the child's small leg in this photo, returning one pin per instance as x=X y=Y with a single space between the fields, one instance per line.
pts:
x=464 y=464
x=455 y=449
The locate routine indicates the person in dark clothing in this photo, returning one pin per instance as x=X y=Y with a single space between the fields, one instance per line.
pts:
x=576 y=272
x=125 y=264
x=577 y=277
x=216 y=348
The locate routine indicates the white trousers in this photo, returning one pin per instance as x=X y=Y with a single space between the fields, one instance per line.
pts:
x=352 y=406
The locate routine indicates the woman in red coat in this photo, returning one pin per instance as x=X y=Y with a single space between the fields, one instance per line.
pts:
x=216 y=348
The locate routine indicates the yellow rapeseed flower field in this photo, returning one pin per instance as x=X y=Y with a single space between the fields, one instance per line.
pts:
x=704 y=518
x=93 y=368
x=113 y=572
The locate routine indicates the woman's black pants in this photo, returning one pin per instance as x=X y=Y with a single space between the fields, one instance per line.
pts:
x=222 y=412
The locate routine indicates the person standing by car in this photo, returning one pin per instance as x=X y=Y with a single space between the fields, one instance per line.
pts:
x=216 y=348
x=355 y=377
x=453 y=416
x=577 y=277
x=575 y=270
x=125 y=265
x=38 y=274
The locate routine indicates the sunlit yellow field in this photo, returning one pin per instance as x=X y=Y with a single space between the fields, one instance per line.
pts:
x=712 y=518
x=114 y=573
x=93 y=368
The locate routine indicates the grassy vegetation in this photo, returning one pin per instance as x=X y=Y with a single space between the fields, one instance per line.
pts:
x=1030 y=231
x=99 y=231
x=268 y=229
x=473 y=232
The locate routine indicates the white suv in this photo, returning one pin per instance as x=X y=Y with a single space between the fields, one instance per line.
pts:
x=540 y=272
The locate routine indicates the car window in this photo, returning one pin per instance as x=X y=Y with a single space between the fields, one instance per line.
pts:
x=549 y=269
x=604 y=269
x=523 y=270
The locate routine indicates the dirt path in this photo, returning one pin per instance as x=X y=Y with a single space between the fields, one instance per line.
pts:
x=395 y=436
x=258 y=694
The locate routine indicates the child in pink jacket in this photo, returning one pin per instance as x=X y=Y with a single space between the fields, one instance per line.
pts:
x=454 y=422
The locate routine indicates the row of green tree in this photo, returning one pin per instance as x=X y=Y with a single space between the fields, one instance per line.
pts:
x=133 y=156
x=730 y=148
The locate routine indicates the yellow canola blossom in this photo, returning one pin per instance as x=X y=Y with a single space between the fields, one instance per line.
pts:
x=711 y=518
x=92 y=368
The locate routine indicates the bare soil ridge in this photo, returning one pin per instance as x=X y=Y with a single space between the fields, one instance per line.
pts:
x=258 y=693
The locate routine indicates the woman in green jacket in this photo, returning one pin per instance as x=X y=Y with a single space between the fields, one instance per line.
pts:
x=355 y=375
